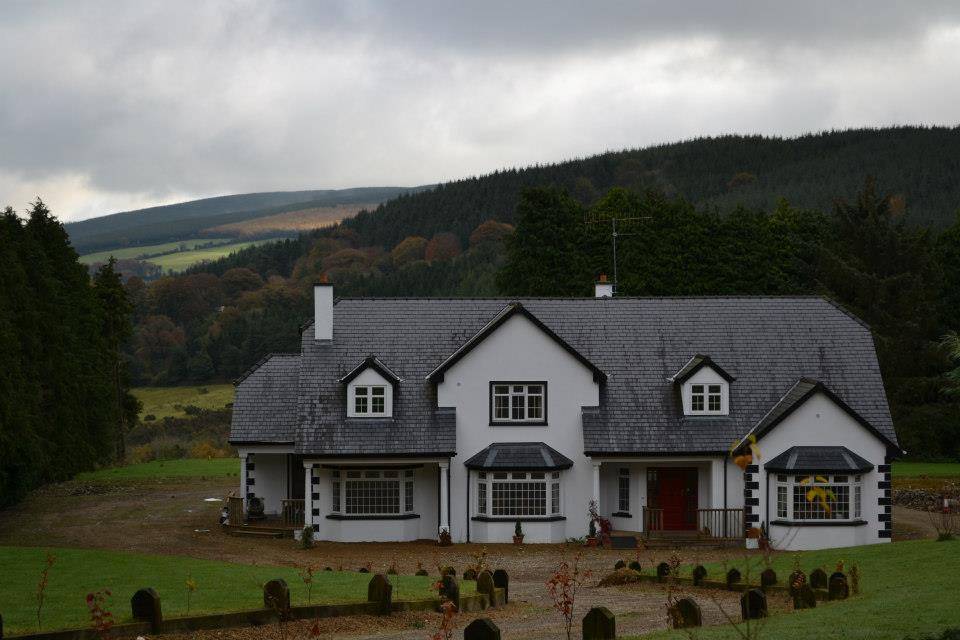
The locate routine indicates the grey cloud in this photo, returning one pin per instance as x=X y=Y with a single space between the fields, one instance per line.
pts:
x=151 y=100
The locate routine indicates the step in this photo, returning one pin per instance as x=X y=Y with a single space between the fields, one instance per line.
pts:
x=256 y=533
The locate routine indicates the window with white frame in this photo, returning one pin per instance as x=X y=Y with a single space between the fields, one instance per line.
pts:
x=369 y=400
x=623 y=490
x=372 y=492
x=518 y=494
x=706 y=398
x=817 y=497
x=518 y=402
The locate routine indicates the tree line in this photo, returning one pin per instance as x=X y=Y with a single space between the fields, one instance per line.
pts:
x=903 y=280
x=65 y=406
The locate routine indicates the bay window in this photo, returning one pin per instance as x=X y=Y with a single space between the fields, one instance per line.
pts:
x=518 y=494
x=817 y=498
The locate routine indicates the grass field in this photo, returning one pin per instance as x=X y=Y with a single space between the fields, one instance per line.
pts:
x=165 y=469
x=153 y=249
x=162 y=401
x=184 y=259
x=908 y=590
x=221 y=586
x=292 y=221
x=929 y=469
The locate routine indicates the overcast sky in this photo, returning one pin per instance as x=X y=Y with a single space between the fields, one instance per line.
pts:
x=114 y=106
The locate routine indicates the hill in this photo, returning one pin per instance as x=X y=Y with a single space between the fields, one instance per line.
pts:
x=921 y=165
x=171 y=223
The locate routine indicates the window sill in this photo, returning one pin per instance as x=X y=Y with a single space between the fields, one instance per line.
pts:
x=621 y=514
x=515 y=519
x=399 y=516
x=818 y=523
x=536 y=423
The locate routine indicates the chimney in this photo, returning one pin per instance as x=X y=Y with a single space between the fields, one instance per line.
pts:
x=602 y=288
x=323 y=310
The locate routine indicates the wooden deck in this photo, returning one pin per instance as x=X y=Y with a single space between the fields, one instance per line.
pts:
x=283 y=525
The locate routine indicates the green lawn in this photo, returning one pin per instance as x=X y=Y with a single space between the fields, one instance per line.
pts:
x=153 y=249
x=908 y=589
x=165 y=469
x=161 y=401
x=221 y=586
x=930 y=469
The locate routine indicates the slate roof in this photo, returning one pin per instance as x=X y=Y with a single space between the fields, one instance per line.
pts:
x=765 y=343
x=264 y=409
x=519 y=455
x=819 y=459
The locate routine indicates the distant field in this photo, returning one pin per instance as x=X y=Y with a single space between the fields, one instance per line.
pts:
x=929 y=469
x=185 y=259
x=220 y=586
x=160 y=401
x=165 y=469
x=133 y=252
x=292 y=221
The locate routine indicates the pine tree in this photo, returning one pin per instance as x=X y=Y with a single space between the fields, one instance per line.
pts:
x=117 y=331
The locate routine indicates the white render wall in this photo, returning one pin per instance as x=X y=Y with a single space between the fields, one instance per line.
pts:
x=271 y=485
x=518 y=351
x=425 y=481
x=820 y=422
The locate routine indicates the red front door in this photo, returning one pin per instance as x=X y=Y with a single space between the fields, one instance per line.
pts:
x=677 y=497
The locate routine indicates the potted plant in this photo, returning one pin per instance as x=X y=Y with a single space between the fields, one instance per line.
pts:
x=444 y=539
x=592 y=534
x=518 y=533
x=753 y=538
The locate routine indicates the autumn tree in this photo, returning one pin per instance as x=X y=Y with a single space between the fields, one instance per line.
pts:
x=443 y=246
x=410 y=249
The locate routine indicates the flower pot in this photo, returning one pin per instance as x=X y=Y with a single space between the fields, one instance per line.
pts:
x=591 y=542
x=753 y=543
x=517 y=539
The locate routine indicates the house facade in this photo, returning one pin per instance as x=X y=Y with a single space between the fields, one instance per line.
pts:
x=403 y=417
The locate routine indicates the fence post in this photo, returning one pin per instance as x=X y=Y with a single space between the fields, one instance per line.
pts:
x=145 y=605
x=380 y=592
x=481 y=629
x=502 y=581
x=599 y=624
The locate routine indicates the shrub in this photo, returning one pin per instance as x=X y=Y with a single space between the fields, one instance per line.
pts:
x=306 y=539
x=142 y=453
x=192 y=410
x=205 y=450
x=149 y=417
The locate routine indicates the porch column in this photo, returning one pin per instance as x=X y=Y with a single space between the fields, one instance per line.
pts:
x=444 y=496
x=308 y=494
x=243 y=480
x=717 y=466
x=596 y=484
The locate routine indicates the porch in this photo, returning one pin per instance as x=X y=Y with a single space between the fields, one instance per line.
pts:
x=273 y=525
x=671 y=501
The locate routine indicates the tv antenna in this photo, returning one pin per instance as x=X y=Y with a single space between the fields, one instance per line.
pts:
x=616 y=222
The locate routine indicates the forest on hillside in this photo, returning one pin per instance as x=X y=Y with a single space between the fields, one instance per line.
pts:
x=901 y=278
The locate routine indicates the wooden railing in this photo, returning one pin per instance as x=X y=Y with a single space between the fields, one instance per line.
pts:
x=720 y=523
x=711 y=523
x=652 y=521
x=291 y=511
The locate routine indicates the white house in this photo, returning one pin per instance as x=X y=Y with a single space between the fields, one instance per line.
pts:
x=403 y=417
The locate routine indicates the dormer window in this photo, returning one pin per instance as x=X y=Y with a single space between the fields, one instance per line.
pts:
x=369 y=401
x=706 y=398
x=704 y=387
x=371 y=388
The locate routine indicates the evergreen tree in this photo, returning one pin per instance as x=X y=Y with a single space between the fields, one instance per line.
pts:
x=117 y=331
x=545 y=255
